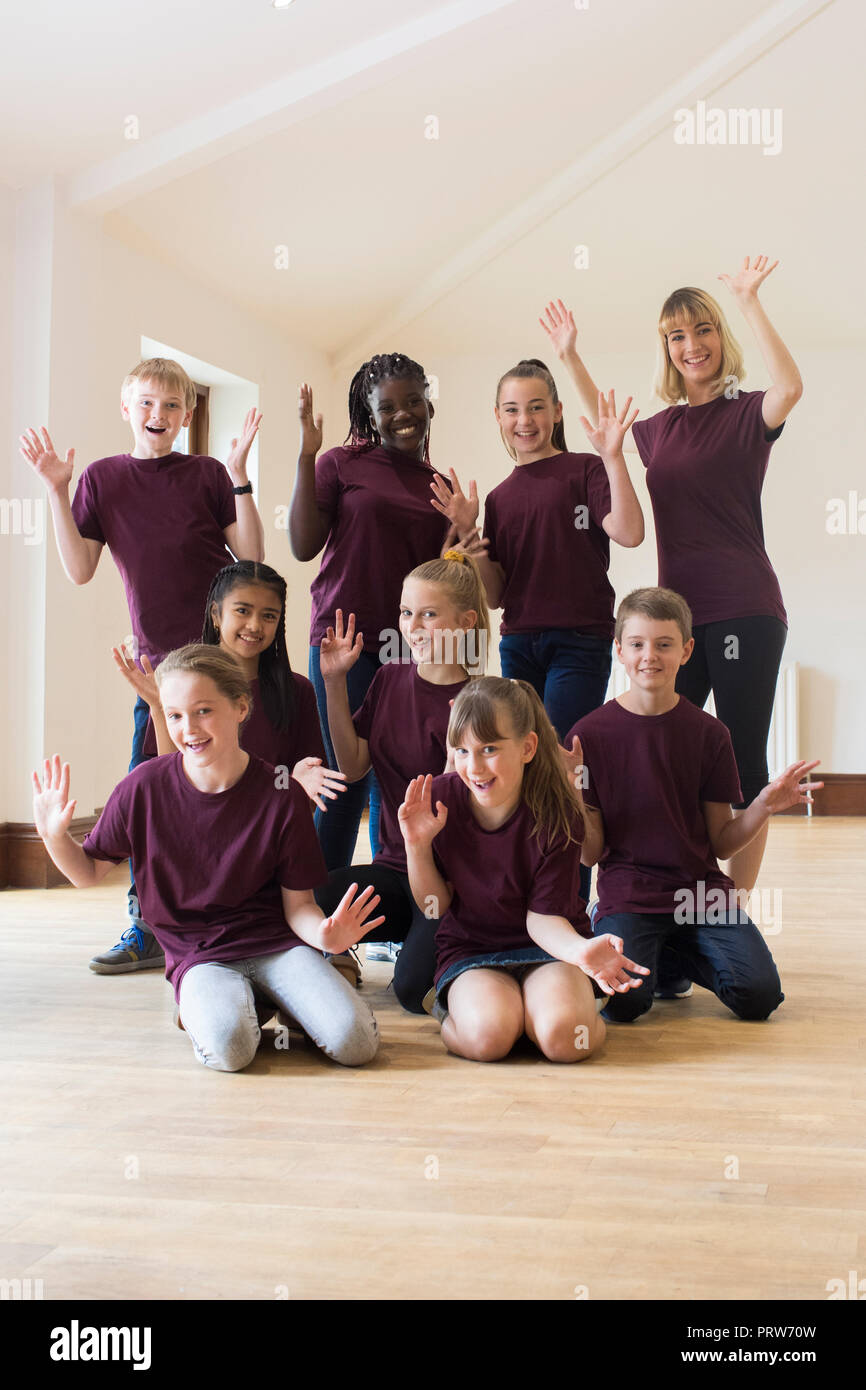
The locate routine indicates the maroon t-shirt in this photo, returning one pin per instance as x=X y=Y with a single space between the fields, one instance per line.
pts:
x=555 y=557
x=404 y=719
x=648 y=775
x=705 y=470
x=163 y=521
x=498 y=876
x=382 y=526
x=209 y=866
x=303 y=738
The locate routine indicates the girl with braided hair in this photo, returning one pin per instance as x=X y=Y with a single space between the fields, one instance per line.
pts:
x=366 y=505
x=245 y=614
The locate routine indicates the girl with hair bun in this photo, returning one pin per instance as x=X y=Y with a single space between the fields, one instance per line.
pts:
x=400 y=731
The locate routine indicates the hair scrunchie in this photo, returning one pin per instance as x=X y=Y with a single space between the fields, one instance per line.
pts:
x=456 y=555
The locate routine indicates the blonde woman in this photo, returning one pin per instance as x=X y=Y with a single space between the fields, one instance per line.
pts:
x=706 y=456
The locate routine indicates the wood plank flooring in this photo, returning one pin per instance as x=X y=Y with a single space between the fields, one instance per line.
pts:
x=130 y=1171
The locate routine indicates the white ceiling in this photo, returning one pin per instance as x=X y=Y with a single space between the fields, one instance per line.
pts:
x=555 y=128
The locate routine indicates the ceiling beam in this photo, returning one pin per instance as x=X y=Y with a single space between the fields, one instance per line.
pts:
x=215 y=133
x=745 y=48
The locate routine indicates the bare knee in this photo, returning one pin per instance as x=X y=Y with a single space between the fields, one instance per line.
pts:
x=482 y=1040
x=564 y=1041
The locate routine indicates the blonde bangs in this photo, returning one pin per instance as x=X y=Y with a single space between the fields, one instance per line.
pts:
x=690 y=306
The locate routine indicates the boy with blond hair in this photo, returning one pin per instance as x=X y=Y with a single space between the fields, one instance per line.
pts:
x=169 y=520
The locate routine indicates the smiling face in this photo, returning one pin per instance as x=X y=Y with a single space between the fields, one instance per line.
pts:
x=202 y=722
x=695 y=349
x=652 y=653
x=247 y=622
x=157 y=414
x=425 y=610
x=527 y=414
x=493 y=771
x=401 y=413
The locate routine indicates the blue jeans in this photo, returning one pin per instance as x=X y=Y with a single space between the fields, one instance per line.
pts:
x=140 y=716
x=569 y=670
x=337 y=828
x=731 y=959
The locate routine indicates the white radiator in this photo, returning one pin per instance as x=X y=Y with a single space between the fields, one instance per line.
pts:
x=783 y=743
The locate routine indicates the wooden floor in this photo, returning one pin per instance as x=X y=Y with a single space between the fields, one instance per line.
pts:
x=129 y=1170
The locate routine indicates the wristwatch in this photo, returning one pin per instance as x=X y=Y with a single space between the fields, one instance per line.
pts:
x=247 y=487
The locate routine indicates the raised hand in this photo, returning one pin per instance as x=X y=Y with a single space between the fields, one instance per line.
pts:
x=141 y=678
x=745 y=284
x=52 y=809
x=788 y=790
x=339 y=651
x=236 y=463
x=603 y=960
x=452 y=502
x=318 y=781
x=348 y=923
x=559 y=327
x=606 y=437
x=311 y=425
x=56 y=473
x=473 y=544
x=419 y=823
x=573 y=761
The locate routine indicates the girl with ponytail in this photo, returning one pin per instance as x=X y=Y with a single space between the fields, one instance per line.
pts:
x=514 y=952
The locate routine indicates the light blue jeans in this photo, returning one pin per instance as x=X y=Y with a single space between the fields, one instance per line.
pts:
x=218 y=1010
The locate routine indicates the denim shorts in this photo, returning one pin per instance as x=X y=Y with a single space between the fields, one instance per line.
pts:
x=516 y=963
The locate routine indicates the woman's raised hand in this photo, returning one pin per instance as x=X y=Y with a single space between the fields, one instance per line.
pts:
x=339 y=651
x=745 y=284
x=607 y=436
x=141 y=678
x=559 y=327
x=52 y=809
x=348 y=922
x=452 y=502
x=419 y=823
x=318 y=781
x=311 y=425
x=56 y=473
x=603 y=960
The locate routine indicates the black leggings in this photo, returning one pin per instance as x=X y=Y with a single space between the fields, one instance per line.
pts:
x=738 y=660
x=404 y=921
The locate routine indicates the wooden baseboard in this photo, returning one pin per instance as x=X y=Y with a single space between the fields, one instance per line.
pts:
x=26 y=863
x=24 y=860
x=843 y=794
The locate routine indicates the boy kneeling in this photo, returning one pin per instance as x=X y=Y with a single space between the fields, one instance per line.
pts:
x=659 y=779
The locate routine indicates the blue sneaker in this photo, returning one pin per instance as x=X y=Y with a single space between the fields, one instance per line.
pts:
x=137 y=949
